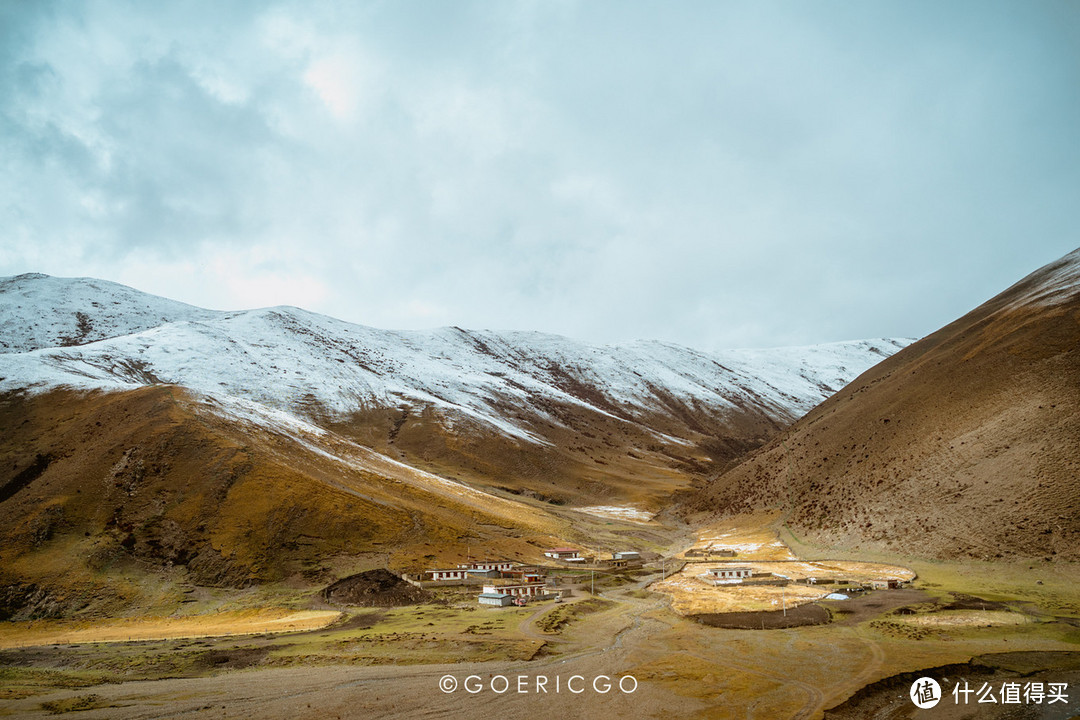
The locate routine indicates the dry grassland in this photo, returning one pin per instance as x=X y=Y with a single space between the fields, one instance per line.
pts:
x=749 y=537
x=759 y=548
x=241 y=622
x=967 y=618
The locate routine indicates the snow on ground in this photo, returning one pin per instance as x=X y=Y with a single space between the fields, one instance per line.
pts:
x=93 y=334
x=243 y=410
x=340 y=450
x=1052 y=284
x=617 y=512
x=38 y=311
x=757 y=541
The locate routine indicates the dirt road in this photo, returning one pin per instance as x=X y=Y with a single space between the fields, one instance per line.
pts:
x=570 y=685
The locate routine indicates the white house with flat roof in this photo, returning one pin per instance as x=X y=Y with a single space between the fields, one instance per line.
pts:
x=448 y=574
x=488 y=565
x=729 y=575
x=526 y=589
x=486 y=568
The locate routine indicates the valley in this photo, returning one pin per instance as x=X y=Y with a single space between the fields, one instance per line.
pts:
x=388 y=662
x=238 y=514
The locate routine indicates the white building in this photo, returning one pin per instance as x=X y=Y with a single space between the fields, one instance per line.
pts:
x=564 y=554
x=729 y=575
x=448 y=574
x=488 y=565
x=499 y=599
x=528 y=589
x=626 y=555
x=487 y=568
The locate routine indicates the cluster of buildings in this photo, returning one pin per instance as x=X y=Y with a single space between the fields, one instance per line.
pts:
x=473 y=570
x=729 y=575
x=739 y=575
x=504 y=582
x=571 y=555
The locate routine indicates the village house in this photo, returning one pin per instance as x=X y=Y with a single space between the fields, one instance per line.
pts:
x=624 y=559
x=522 y=574
x=472 y=569
x=448 y=574
x=564 y=554
x=488 y=565
x=498 y=599
x=708 y=552
x=729 y=575
x=527 y=589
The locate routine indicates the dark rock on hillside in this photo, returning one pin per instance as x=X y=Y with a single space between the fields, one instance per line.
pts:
x=374 y=588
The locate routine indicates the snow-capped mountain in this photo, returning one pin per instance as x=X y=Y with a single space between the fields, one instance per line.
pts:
x=38 y=311
x=247 y=447
x=92 y=334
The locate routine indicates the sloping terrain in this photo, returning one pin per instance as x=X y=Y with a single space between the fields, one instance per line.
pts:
x=532 y=413
x=38 y=311
x=107 y=489
x=964 y=444
x=149 y=447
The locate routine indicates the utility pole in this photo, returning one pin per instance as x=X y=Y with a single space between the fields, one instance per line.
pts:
x=592 y=579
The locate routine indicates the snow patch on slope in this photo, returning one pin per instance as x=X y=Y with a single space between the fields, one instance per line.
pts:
x=617 y=512
x=1052 y=284
x=336 y=448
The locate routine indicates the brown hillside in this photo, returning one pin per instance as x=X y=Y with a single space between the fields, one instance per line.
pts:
x=587 y=458
x=100 y=491
x=966 y=443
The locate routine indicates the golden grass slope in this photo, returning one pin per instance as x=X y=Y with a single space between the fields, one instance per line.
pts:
x=104 y=490
x=223 y=624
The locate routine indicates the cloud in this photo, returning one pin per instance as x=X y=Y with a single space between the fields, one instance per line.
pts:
x=716 y=175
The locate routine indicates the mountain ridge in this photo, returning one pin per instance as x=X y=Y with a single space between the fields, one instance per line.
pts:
x=964 y=444
x=528 y=388
x=278 y=445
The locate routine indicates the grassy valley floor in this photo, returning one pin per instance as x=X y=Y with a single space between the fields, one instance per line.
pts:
x=394 y=662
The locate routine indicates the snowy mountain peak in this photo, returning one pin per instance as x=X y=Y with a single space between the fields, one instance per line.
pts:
x=1053 y=284
x=92 y=334
x=40 y=311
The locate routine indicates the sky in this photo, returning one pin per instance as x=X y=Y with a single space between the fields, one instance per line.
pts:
x=714 y=174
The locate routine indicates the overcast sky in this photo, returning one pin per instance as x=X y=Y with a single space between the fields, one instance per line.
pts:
x=716 y=174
